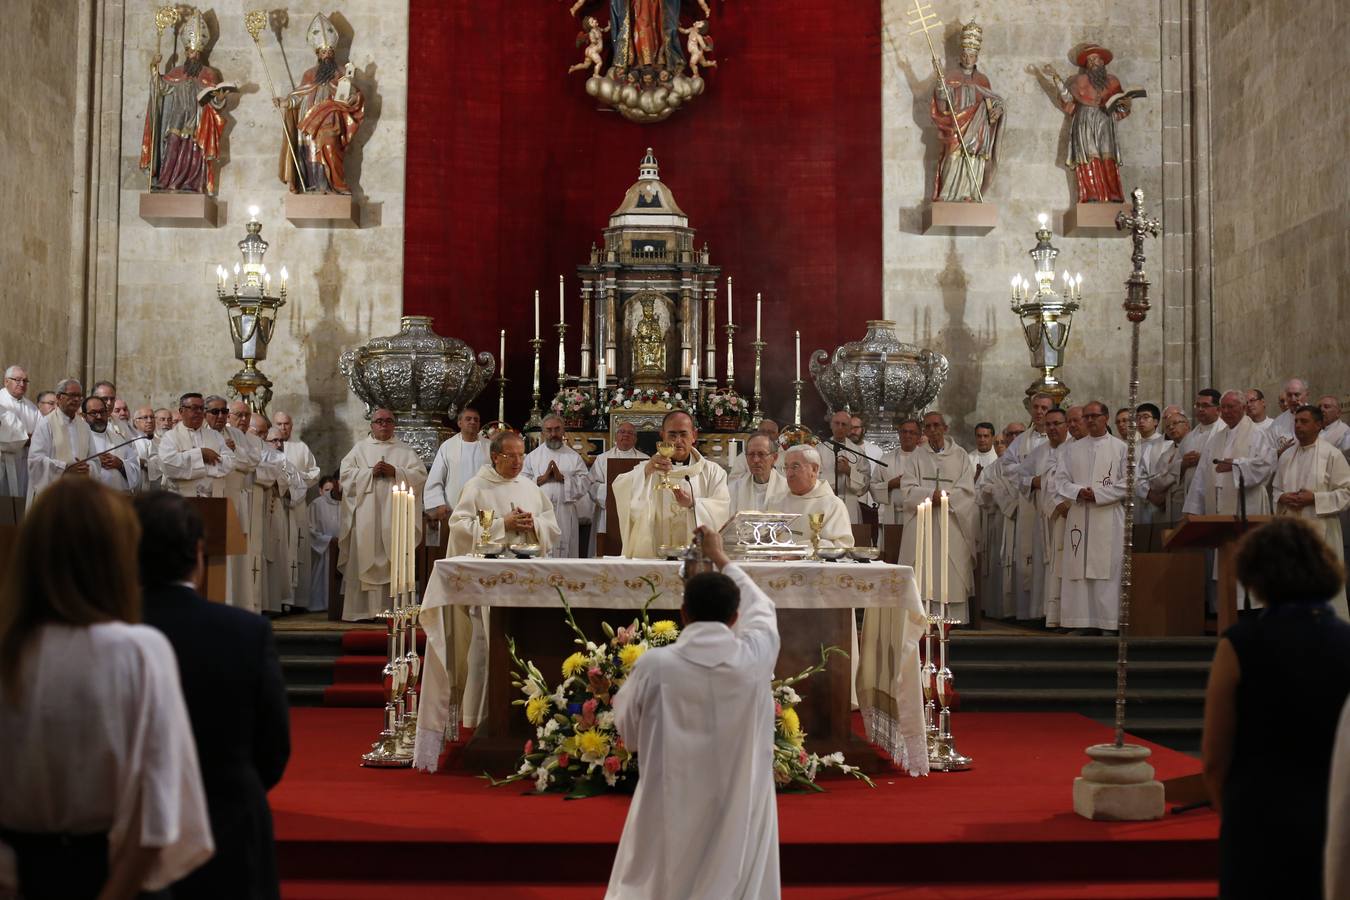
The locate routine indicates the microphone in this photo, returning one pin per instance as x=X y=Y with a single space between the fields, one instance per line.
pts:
x=139 y=437
x=839 y=446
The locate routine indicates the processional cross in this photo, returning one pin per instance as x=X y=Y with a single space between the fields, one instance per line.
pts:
x=922 y=21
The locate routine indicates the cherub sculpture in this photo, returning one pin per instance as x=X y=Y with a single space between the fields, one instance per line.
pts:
x=594 y=55
x=699 y=46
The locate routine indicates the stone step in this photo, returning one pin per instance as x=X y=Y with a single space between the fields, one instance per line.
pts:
x=1037 y=673
x=304 y=694
x=972 y=645
x=307 y=670
x=308 y=643
x=1169 y=703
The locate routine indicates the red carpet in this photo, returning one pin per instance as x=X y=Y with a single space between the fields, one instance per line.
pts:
x=358 y=674
x=1005 y=828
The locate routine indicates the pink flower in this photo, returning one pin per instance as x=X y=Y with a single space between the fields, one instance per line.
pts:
x=612 y=764
x=588 y=713
x=801 y=756
x=599 y=683
x=777 y=708
x=563 y=760
x=529 y=747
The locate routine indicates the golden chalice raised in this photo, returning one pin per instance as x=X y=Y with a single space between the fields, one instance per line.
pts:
x=817 y=521
x=485 y=517
x=667 y=450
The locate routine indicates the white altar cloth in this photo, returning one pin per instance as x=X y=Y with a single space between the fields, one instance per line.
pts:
x=889 y=686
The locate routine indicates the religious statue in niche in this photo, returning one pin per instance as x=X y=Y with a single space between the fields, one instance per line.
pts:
x=322 y=117
x=650 y=74
x=969 y=116
x=1095 y=101
x=649 y=344
x=183 y=121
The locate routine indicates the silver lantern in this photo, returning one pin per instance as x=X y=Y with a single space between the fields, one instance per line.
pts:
x=420 y=375
x=880 y=378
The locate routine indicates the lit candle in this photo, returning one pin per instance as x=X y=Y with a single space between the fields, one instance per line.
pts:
x=561 y=318
x=757 y=314
x=267 y=283
x=501 y=356
x=798 y=359
x=284 y=277
x=395 y=536
x=942 y=557
x=728 y=299
x=918 y=550
x=1043 y=219
x=536 y=314
x=413 y=507
x=253 y=213
x=693 y=375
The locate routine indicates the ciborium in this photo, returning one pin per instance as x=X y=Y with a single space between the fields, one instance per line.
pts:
x=422 y=376
x=880 y=378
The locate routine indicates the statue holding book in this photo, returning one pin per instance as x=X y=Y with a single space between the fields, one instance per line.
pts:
x=1096 y=101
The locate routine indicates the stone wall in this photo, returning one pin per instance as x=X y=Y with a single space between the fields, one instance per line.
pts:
x=345 y=284
x=952 y=293
x=1282 y=209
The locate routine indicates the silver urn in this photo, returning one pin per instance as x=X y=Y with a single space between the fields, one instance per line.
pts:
x=420 y=375
x=881 y=378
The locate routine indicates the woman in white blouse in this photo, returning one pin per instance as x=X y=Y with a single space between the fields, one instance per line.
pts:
x=100 y=794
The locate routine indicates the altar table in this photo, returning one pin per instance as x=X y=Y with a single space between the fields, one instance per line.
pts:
x=815 y=601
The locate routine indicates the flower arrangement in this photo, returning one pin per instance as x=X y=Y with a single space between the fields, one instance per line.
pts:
x=724 y=409
x=573 y=403
x=622 y=398
x=577 y=749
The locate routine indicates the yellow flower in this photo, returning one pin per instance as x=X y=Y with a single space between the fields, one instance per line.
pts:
x=629 y=654
x=665 y=626
x=536 y=710
x=791 y=726
x=574 y=664
x=592 y=744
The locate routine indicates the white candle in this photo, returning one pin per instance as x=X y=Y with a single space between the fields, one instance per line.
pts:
x=798 y=359
x=413 y=507
x=600 y=368
x=284 y=276
x=693 y=375
x=728 y=299
x=943 y=557
x=561 y=302
x=757 y=316
x=918 y=550
x=928 y=549
x=395 y=538
x=502 y=355
x=536 y=314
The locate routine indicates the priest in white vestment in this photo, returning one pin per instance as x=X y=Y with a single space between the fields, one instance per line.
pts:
x=118 y=429
x=1150 y=445
x=1166 y=488
x=243 y=571
x=984 y=453
x=457 y=460
x=739 y=466
x=193 y=459
x=1295 y=394
x=1256 y=409
x=369 y=474
x=886 y=489
x=844 y=467
x=1092 y=480
x=282 y=480
x=1236 y=454
x=989 y=553
x=1051 y=511
x=17 y=413
x=699 y=713
x=325 y=521
x=762 y=487
x=939 y=465
x=116 y=466
x=625 y=447
x=561 y=474
x=1334 y=431
x=807 y=494
x=1016 y=468
x=1312 y=481
x=297 y=508
x=60 y=441
x=651 y=516
x=1002 y=496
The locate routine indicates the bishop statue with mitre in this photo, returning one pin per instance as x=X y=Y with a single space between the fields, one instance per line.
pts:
x=964 y=107
x=323 y=115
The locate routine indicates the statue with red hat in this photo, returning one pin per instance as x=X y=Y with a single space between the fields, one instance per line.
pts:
x=1096 y=101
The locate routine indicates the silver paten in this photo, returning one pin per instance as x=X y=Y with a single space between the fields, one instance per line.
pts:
x=880 y=378
x=420 y=375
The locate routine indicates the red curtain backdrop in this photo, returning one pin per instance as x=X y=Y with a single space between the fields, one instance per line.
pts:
x=513 y=172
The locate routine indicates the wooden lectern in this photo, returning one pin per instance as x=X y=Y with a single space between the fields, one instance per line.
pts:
x=1221 y=534
x=224 y=538
x=610 y=541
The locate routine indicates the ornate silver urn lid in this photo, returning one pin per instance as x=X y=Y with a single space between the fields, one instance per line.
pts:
x=420 y=375
x=881 y=378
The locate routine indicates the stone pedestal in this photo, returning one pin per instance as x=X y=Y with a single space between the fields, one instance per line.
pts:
x=179 y=210
x=960 y=218
x=1118 y=785
x=322 y=211
x=1094 y=219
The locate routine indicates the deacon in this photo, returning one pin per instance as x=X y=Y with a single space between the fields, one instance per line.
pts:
x=325 y=520
x=561 y=474
x=116 y=468
x=457 y=460
x=941 y=466
x=704 y=820
x=651 y=516
x=18 y=413
x=762 y=487
x=807 y=494
x=768 y=428
x=625 y=447
x=1235 y=454
x=194 y=460
x=886 y=490
x=1092 y=480
x=61 y=443
x=242 y=582
x=1313 y=481
x=368 y=476
x=297 y=452
x=1046 y=461
x=522 y=514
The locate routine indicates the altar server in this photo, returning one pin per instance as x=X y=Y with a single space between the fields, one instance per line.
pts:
x=194 y=460
x=1149 y=448
x=1237 y=453
x=1093 y=482
x=940 y=465
x=807 y=494
x=457 y=460
x=325 y=521
x=60 y=440
x=369 y=473
x=989 y=572
x=984 y=453
x=21 y=414
x=1313 y=483
x=297 y=508
x=625 y=447
x=561 y=474
x=762 y=487
x=704 y=820
x=651 y=516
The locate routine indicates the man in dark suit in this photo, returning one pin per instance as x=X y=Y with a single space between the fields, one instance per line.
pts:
x=235 y=696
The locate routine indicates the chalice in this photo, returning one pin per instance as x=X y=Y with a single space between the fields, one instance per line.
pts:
x=485 y=517
x=817 y=521
x=667 y=450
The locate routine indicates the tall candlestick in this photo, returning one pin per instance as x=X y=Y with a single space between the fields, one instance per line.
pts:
x=798 y=357
x=561 y=300
x=396 y=539
x=536 y=314
x=758 y=305
x=600 y=369
x=413 y=507
x=918 y=549
x=945 y=555
x=693 y=376
x=928 y=549
x=728 y=299
x=501 y=356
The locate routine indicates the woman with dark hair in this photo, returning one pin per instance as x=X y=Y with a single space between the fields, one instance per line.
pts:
x=1276 y=689
x=99 y=790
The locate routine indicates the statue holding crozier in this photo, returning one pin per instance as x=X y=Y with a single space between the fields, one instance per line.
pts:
x=323 y=116
x=964 y=107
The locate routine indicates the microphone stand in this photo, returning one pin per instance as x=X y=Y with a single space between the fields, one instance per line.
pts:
x=140 y=437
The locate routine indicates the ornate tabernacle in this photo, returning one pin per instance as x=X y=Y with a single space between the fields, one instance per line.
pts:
x=420 y=375
x=648 y=296
x=880 y=378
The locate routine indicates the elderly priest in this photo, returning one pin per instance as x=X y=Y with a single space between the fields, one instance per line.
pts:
x=1313 y=482
x=807 y=494
x=939 y=465
x=368 y=475
x=652 y=516
x=561 y=474
x=60 y=440
x=760 y=487
x=194 y=459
